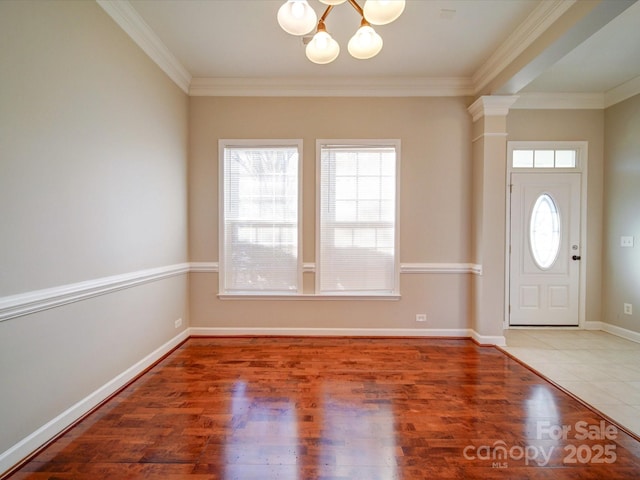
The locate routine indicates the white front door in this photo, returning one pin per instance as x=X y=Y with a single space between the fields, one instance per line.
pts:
x=545 y=249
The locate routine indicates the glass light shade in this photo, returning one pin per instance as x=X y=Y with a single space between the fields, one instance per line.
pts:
x=381 y=12
x=332 y=2
x=366 y=43
x=322 y=48
x=297 y=17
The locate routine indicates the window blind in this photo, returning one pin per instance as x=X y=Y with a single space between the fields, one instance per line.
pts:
x=357 y=241
x=260 y=217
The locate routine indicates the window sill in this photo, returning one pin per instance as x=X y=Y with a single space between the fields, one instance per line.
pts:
x=307 y=296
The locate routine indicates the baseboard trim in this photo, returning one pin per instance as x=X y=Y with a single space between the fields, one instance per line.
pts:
x=349 y=332
x=488 y=340
x=593 y=325
x=36 y=440
x=327 y=332
x=620 y=332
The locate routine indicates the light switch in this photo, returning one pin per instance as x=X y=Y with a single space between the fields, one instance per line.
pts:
x=626 y=241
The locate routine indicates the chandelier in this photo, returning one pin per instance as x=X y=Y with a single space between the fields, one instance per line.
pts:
x=298 y=18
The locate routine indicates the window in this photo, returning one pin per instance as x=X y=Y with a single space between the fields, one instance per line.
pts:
x=357 y=233
x=260 y=217
x=544 y=158
x=544 y=231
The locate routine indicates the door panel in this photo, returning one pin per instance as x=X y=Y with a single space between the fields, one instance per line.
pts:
x=545 y=237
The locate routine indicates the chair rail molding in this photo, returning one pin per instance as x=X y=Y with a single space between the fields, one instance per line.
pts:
x=22 y=304
x=310 y=267
x=36 y=301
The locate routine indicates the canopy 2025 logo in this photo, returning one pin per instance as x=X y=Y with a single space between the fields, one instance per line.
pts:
x=541 y=451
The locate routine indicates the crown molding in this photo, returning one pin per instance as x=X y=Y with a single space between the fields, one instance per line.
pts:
x=560 y=101
x=545 y=14
x=538 y=21
x=331 y=87
x=123 y=13
x=491 y=105
x=622 y=92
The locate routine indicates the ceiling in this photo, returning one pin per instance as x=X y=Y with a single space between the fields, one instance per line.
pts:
x=607 y=59
x=461 y=43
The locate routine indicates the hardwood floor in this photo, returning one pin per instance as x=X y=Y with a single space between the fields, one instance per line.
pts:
x=338 y=408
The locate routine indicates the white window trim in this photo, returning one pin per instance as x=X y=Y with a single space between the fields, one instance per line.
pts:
x=225 y=143
x=396 y=143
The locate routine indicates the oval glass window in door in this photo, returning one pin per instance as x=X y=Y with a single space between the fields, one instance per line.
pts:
x=544 y=231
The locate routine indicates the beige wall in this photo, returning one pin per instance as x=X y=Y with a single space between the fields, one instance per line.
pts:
x=92 y=184
x=86 y=115
x=621 y=279
x=435 y=204
x=574 y=125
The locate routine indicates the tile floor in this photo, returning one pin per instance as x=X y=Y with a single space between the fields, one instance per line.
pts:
x=601 y=369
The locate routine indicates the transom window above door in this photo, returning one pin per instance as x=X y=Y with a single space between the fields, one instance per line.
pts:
x=530 y=158
x=550 y=156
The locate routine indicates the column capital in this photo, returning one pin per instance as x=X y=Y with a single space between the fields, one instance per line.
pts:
x=491 y=105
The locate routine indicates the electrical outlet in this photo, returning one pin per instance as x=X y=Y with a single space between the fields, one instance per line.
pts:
x=626 y=241
x=421 y=317
x=628 y=309
x=178 y=323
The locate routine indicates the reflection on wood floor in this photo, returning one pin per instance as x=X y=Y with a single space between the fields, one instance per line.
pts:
x=339 y=408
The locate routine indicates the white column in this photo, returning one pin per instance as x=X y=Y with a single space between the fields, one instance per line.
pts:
x=489 y=114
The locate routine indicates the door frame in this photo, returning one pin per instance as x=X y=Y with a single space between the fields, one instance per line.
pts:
x=581 y=148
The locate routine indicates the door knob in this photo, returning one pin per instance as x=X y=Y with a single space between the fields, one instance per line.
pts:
x=576 y=257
